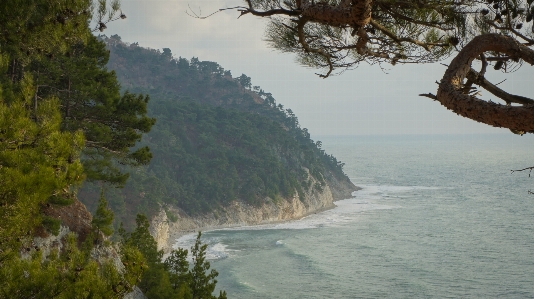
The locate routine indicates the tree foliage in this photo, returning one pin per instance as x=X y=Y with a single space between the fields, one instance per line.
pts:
x=70 y=273
x=344 y=33
x=38 y=164
x=103 y=218
x=202 y=282
x=91 y=102
x=42 y=44
x=174 y=278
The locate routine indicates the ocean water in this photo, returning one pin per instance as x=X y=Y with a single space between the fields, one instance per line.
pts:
x=438 y=217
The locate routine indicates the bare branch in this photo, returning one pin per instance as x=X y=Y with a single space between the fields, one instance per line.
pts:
x=196 y=16
x=529 y=41
x=429 y=95
x=479 y=80
x=267 y=13
x=528 y=168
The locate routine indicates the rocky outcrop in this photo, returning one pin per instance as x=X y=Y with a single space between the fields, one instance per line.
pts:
x=159 y=229
x=136 y=293
x=75 y=217
x=240 y=214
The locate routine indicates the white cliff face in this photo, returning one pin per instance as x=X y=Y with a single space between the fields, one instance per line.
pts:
x=159 y=229
x=239 y=214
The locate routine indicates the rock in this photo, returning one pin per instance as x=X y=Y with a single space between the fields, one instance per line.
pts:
x=75 y=216
x=239 y=213
x=159 y=229
x=136 y=293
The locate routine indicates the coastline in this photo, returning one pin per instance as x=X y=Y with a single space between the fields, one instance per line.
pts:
x=174 y=235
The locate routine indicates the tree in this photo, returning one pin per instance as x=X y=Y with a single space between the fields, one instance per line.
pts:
x=178 y=266
x=173 y=278
x=244 y=80
x=91 y=102
x=202 y=283
x=103 y=218
x=69 y=273
x=40 y=160
x=142 y=239
x=39 y=164
x=341 y=34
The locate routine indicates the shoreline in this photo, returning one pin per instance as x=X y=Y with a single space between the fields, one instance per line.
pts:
x=175 y=235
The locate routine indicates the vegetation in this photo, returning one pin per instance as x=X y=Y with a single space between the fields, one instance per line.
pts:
x=62 y=119
x=342 y=34
x=174 y=278
x=70 y=273
x=103 y=218
x=214 y=149
x=91 y=103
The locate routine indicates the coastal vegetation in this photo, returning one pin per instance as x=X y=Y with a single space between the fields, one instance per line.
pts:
x=63 y=120
x=72 y=129
x=214 y=139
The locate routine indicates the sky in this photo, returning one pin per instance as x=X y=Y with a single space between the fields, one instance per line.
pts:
x=365 y=101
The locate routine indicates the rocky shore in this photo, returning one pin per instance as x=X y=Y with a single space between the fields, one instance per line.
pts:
x=165 y=231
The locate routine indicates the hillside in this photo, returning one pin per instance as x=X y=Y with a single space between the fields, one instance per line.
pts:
x=217 y=140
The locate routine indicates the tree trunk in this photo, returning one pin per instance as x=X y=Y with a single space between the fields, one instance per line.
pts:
x=450 y=95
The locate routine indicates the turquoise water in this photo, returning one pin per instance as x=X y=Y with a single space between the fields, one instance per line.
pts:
x=438 y=217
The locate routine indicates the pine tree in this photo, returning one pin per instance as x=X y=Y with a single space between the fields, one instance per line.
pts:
x=142 y=239
x=40 y=160
x=103 y=218
x=38 y=164
x=178 y=267
x=202 y=282
x=91 y=102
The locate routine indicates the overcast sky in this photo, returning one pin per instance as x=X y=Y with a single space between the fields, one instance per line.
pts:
x=364 y=101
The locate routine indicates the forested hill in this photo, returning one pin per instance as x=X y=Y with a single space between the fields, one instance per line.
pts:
x=217 y=139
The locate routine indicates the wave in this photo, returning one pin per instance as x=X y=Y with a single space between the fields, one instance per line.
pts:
x=369 y=198
x=216 y=249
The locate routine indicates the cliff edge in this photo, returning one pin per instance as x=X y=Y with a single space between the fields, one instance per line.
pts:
x=238 y=213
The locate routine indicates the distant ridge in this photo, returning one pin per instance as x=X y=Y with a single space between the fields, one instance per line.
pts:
x=217 y=140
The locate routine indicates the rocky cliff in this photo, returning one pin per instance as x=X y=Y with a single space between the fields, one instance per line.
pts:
x=165 y=231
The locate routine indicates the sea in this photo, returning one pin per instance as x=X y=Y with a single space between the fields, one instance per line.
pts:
x=437 y=217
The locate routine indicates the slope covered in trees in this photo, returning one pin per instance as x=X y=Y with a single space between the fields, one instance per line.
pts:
x=217 y=138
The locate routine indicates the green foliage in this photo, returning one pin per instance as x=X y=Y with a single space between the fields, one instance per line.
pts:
x=51 y=224
x=171 y=216
x=178 y=266
x=36 y=30
x=215 y=149
x=195 y=282
x=91 y=102
x=70 y=273
x=103 y=218
x=38 y=163
x=142 y=240
x=202 y=282
x=174 y=278
x=42 y=44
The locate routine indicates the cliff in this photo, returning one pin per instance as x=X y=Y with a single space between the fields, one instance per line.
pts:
x=238 y=213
